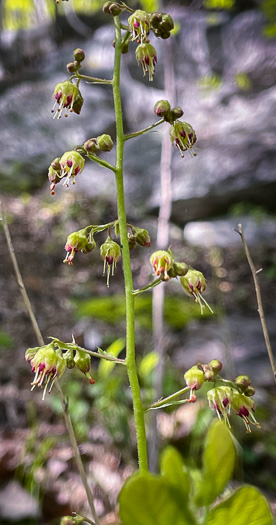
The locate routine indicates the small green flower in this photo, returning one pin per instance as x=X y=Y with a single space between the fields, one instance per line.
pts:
x=220 y=400
x=71 y=163
x=47 y=364
x=110 y=252
x=183 y=136
x=244 y=407
x=194 y=378
x=146 y=55
x=79 y=241
x=162 y=262
x=194 y=285
x=83 y=362
x=67 y=96
x=139 y=25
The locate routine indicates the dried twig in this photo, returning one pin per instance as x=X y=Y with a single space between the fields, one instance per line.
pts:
x=259 y=300
x=64 y=402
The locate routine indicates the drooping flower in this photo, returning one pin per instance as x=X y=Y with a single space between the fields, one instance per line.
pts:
x=47 y=364
x=244 y=407
x=71 y=163
x=162 y=262
x=194 y=378
x=139 y=25
x=67 y=96
x=194 y=285
x=220 y=400
x=183 y=136
x=54 y=174
x=110 y=252
x=80 y=241
x=146 y=55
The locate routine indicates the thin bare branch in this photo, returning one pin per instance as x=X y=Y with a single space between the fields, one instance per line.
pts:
x=259 y=300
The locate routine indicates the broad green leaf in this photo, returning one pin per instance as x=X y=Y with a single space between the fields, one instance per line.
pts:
x=146 y=499
x=246 y=507
x=106 y=367
x=174 y=469
x=219 y=458
x=147 y=364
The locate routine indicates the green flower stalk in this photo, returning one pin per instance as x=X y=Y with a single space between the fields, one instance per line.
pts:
x=67 y=96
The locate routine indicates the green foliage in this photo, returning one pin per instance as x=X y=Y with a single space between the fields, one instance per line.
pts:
x=218 y=4
x=147 y=499
x=178 y=310
x=105 y=367
x=147 y=364
x=247 y=505
x=6 y=340
x=243 y=81
x=171 y=498
x=218 y=463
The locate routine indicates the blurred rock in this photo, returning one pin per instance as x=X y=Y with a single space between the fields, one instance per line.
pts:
x=17 y=504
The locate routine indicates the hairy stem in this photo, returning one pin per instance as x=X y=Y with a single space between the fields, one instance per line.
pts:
x=130 y=346
x=64 y=403
x=168 y=399
x=259 y=300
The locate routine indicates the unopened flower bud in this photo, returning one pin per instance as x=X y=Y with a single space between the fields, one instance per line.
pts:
x=250 y=391
x=83 y=363
x=209 y=375
x=79 y=55
x=125 y=47
x=180 y=268
x=131 y=241
x=115 y=9
x=67 y=96
x=194 y=378
x=162 y=108
x=91 y=146
x=71 y=520
x=56 y=164
x=183 y=136
x=155 y=19
x=216 y=365
x=54 y=177
x=106 y=6
x=141 y=236
x=71 y=67
x=162 y=262
x=105 y=142
x=110 y=252
x=139 y=25
x=243 y=382
x=166 y=23
x=177 y=113
x=80 y=241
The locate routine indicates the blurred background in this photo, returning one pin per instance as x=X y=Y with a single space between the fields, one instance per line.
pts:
x=220 y=67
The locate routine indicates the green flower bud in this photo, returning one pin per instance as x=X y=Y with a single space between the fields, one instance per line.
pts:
x=83 y=362
x=110 y=252
x=162 y=108
x=105 y=142
x=194 y=378
x=216 y=365
x=125 y=47
x=183 y=136
x=79 y=241
x=166 y=23
x=243 y=382
x=155 y=20
x=79 y=55
x=164 y=34
x=71 y=164
x=139 y=25
x=71 y=67
x=180 y=268
x=47 y=364
x=146 y=55
x=71 y=520
x=131 y=241
x=56 y=164
x=67 y=96
x=162 y=262
x=115 y=9
x=91 y=146
x=141 y=236
x=177 y=113
x=250 y=391
x=54 y=178
x=106 y=6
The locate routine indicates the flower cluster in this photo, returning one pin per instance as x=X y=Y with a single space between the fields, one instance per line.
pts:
x=80 y=241
x=226 y=396
x=50 y=361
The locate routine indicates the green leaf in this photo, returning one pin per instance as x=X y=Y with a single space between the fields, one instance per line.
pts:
x=146 y=499
x=246 y=506
x=106 y=367
x=218 y=463
x=174 y=470
x=147 y=364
